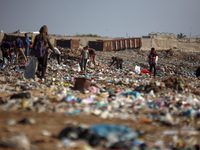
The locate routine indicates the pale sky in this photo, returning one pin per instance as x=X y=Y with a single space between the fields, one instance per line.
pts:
x=111 y=18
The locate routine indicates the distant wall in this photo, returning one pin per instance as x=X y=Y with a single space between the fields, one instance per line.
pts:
x=167 y=43
x=190 y=43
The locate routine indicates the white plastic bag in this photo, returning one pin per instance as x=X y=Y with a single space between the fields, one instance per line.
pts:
x=137 y=69
x=31 y=68
x=156 y=59
x=91 y=64
x=78 y=67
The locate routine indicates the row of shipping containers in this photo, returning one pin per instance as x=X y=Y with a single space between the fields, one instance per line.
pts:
x=118 y=44
x=71 y=44
x=102 y=45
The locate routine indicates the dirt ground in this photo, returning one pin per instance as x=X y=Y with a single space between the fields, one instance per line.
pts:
x=54 y=123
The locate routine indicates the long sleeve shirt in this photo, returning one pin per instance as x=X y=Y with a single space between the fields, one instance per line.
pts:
x=19 y=43
x=27 y=41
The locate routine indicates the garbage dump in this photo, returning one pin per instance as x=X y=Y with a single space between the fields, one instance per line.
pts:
x=104 y=107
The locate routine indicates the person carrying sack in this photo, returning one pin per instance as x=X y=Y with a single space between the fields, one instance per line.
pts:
x=40 y=50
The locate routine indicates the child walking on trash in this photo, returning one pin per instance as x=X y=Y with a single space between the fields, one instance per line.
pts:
x=152 y=59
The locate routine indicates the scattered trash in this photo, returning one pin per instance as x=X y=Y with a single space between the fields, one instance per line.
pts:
x=171 y=100
x=11 y=122
x=18 y=142
x=21 y=95
x=27 y=121
x=46 y=133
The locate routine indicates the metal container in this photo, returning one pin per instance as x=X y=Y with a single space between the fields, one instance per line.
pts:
x=123 y=44
x=71 y=44
x=138 y=43
x=97 y=45
x=135 y=43
x=127 y=43
x=107 y=45
x=75 y=44
x=117 y=44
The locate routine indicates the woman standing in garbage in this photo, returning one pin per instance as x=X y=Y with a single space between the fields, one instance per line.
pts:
x=153 y=58
x=42 y=61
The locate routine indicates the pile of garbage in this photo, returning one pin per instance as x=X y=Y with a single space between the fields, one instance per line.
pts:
x=172 y=99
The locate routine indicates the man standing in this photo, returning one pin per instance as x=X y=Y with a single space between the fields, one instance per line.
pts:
x=19 y=48
x=27 y=44
x=85 y=55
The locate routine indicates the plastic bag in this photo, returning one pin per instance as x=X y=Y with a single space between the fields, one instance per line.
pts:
x=78 y=67
x=137 y=69
x=156 y=61
x=145 y=71
x=31 y=68
x=91 y=64
x=114 y=133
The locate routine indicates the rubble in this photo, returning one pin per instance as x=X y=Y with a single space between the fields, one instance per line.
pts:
x=171 y=100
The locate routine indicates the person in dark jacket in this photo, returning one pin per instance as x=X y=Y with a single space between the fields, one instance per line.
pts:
x=19 y=48
x=42 y=61
x=6 y=51
x=118 y=61
x=152 y=58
